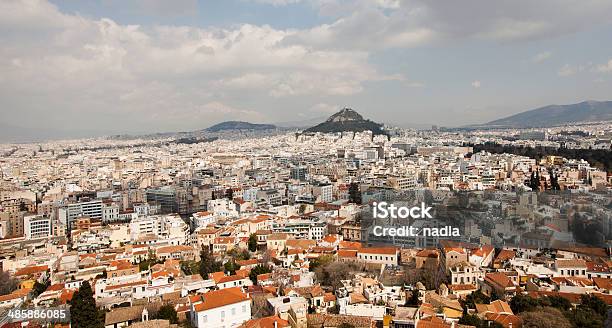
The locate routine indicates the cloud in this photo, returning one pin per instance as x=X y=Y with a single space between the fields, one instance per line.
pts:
x=541 y=57
x=324 y=108
x=277 y=2
x=69 y=69
x=567 y=70
x=375 y=24
x=476 y=84
x=605 y=68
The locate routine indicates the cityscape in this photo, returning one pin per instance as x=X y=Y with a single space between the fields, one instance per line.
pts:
x=353 y=216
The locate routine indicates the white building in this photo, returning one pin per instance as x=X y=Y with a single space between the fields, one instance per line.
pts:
x=37 y=227
x=226 y=308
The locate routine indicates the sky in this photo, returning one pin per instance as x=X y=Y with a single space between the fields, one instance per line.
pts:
x=119 y=66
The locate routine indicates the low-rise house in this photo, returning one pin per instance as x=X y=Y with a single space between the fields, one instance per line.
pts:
x=228 y=307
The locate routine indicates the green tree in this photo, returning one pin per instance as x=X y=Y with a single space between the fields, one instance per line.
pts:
x=476 y=297
x=253 y=242
x=523 y=303
x=83 y=310
x=208 y=264
x=594 y=303
x=167 y=312
x=413 y=300
x=7 y=283
x=557 y=302
x=231 y=267
x=546 y=317
x=257 y=270
x=354 y=193
x=39 y=288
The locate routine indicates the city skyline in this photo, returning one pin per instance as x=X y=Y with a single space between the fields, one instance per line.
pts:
x=109 y=67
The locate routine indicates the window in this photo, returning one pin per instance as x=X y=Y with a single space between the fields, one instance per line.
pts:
x=233 y=311
x=243 y=308
x=205 y=318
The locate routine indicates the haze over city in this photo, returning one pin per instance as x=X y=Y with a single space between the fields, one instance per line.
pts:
x=73 y=68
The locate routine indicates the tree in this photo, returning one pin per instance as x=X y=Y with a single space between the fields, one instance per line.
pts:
x=231 y=267
x=346 y=325
x=257 y=270
x=476 y=297
x=39 y=288
x=7 y=283
x=333 y=273
x=319 y=261
x=167 y=312
x=413 y=301
x=546 y=317
x=208 y=264
x=594 y=303
x=556 y=302
x=83 y=310
x=354 y=193
x=253 y=242
x=523 y=303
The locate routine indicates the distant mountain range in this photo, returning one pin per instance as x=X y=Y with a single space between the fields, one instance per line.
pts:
x=239 y=125
x=586 y=111
x=347 y=120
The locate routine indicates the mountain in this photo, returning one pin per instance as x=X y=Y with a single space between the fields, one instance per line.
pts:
x=347 y=120
x=586 y=111
x=239 y=125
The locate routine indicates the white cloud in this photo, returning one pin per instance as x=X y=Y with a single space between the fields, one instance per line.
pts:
x=86 y=69
x=567 y=70
x=324 y=108
x=541 y=57
x=371 y=24
x=605 y=68
x=476 y=84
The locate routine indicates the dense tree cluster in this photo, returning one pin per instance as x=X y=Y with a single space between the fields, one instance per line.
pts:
x=257 y=270
x=208 y=264
x=7 y=283
x=83 y=310
x=599 y=158
x=556 y=311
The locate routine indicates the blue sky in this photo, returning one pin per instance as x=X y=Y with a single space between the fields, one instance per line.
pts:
x=156 y=65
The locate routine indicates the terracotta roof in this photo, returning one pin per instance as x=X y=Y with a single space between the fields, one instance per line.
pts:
x=504 y=255
x=347 y=253
x=350 y=244
x=173 y=249
x=379 y=250
x=500 y=279
x=506 y=320
x=433 y=253
x=30 y=270
x=603 y=283
x=570 y=263
x=266 y=322
x=218 y=298
x=229 y=279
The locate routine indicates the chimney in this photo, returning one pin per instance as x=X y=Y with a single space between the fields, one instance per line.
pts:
x=275 y=324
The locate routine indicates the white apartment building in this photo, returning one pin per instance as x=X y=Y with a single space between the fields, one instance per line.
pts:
x=37 y=227
x=110 y=212
x=91 y=209
x=225 y=308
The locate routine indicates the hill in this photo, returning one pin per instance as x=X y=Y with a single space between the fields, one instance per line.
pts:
x=239 y=125
x=586 y=111
x=347 y=120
